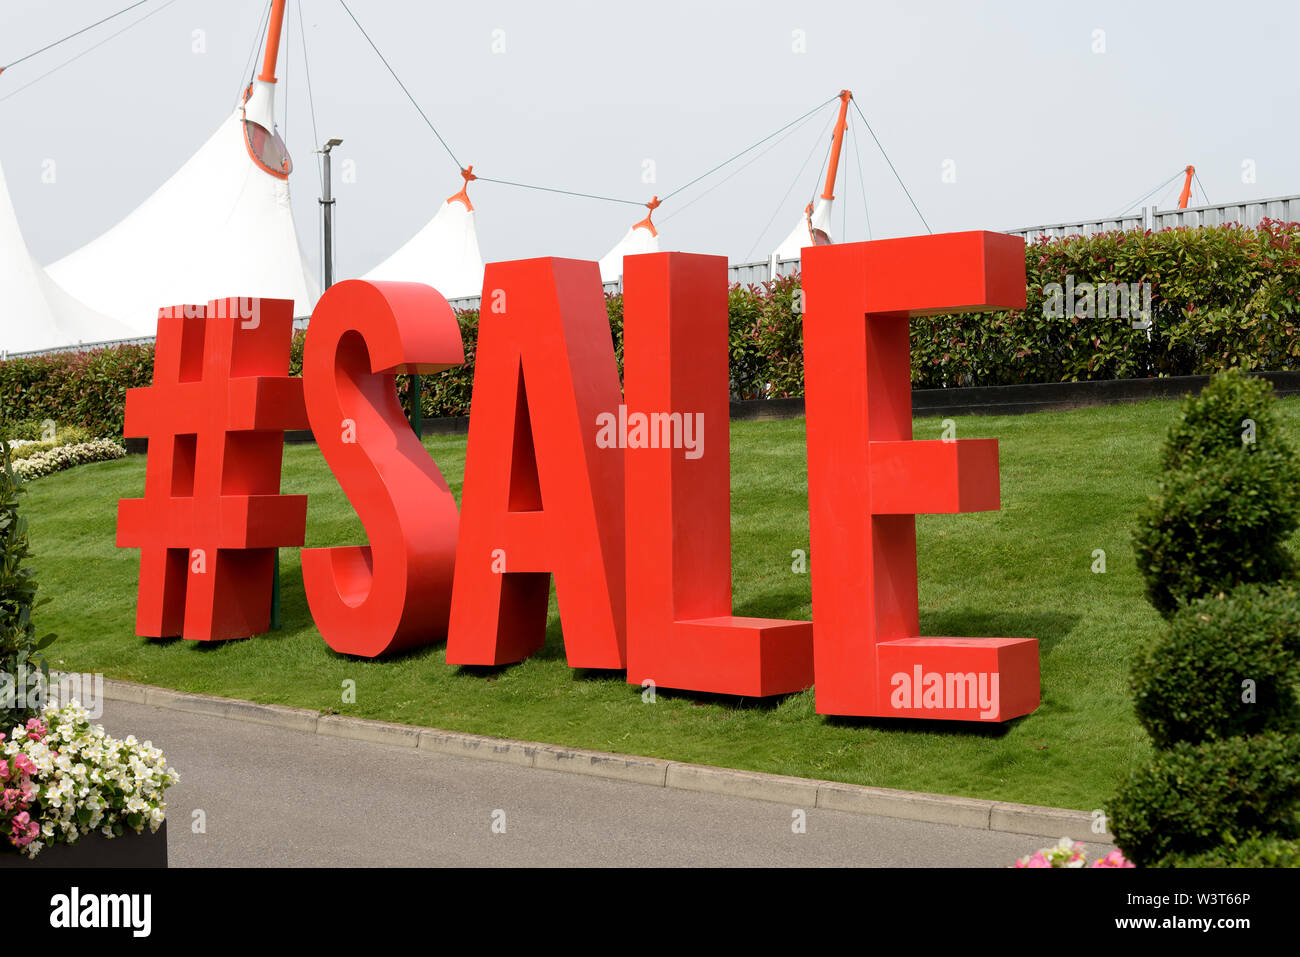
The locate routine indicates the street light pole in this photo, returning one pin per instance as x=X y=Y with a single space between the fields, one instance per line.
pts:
x=327 y=268
x=327 y=212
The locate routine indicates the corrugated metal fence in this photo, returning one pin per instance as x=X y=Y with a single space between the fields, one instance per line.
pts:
x=1284 y=208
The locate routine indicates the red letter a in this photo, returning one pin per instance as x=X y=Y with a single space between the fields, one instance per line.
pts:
x=540 y=496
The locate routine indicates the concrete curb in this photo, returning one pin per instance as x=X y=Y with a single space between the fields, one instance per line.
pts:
x=798 y=792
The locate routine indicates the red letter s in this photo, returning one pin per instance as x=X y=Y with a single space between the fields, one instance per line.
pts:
x=394 y=593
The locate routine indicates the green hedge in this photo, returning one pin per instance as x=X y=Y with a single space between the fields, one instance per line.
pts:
x=1220 y=296
x=1253 y=852
x=1192 y=798
x=84 y=389
x=1229 y=498
x=1228 y=666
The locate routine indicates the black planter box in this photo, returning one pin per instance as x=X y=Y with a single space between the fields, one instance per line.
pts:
x=147 y=849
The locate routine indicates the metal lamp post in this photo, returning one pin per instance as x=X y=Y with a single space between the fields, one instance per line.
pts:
x=327 y=268
x=327 y=213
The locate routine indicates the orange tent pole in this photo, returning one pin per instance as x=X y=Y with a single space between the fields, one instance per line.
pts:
x=840 y=125
x=1187 y=188
x=272 y=41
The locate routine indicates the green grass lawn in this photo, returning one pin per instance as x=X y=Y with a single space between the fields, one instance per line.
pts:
x=1071 y=483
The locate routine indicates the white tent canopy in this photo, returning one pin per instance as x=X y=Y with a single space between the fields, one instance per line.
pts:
x=641 y=238
x=444 y=254
x=221 y=226
x=637 y=240
x=806 y=230
x=35 y=313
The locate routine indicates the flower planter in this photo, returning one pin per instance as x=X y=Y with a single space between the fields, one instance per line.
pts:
x=147 y=849
x=60 y=769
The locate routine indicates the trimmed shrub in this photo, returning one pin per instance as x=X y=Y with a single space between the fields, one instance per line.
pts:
x=21 y=660
x=28 y=430
x=1219 y=296
x=1194 y=797
x=1252 y=852
x=1228 y=666
x=1218 y=692
x=86 y=389
x=1226 y=509
x=766 y=340
x=62 y=457
x=24 y=448
x=1215 y=421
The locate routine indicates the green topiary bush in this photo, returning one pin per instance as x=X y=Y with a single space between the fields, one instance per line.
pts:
x=1229 y=502
x=1227 y=666
x=1218 y=692
x=1252 y=852
x=1212 y=422
x=1194 y=797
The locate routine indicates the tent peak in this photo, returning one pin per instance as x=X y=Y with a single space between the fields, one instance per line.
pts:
x=467 y=174
x=648 y=223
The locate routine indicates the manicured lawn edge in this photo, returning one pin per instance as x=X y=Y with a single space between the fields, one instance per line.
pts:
x=783 y=789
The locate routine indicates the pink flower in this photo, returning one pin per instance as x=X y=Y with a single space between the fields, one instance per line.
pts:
x=24 y=764
x=1113 y=859
x=36 y=729
x=1039 y=860
x=25 y=830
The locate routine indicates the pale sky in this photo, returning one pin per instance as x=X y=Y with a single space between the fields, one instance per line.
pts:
x=1039 y=111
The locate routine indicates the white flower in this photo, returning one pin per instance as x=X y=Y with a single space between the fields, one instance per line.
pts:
x=93 y=773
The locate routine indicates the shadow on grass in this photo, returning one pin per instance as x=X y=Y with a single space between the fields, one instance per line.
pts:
x=731 y=702
x=1048 y=627
x=946 y=729
x=163 y=642
x=792 y=605
x=486 y=672
x=599 y=674
x=393 y=657
x=553 y=646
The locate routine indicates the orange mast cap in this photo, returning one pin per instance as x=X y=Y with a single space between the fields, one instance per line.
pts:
x=648 y=223
x=462 y=197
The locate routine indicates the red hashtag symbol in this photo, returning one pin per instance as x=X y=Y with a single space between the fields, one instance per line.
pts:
x=212 y=515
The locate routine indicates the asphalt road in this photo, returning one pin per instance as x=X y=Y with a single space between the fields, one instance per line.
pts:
x=271 y=796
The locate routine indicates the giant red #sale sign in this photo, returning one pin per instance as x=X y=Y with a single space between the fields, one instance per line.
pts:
x=619 y=493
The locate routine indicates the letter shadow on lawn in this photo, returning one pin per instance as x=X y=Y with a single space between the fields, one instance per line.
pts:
x=199 y=647
x=1048 y=627
x=166 y=642
x=732 y=702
